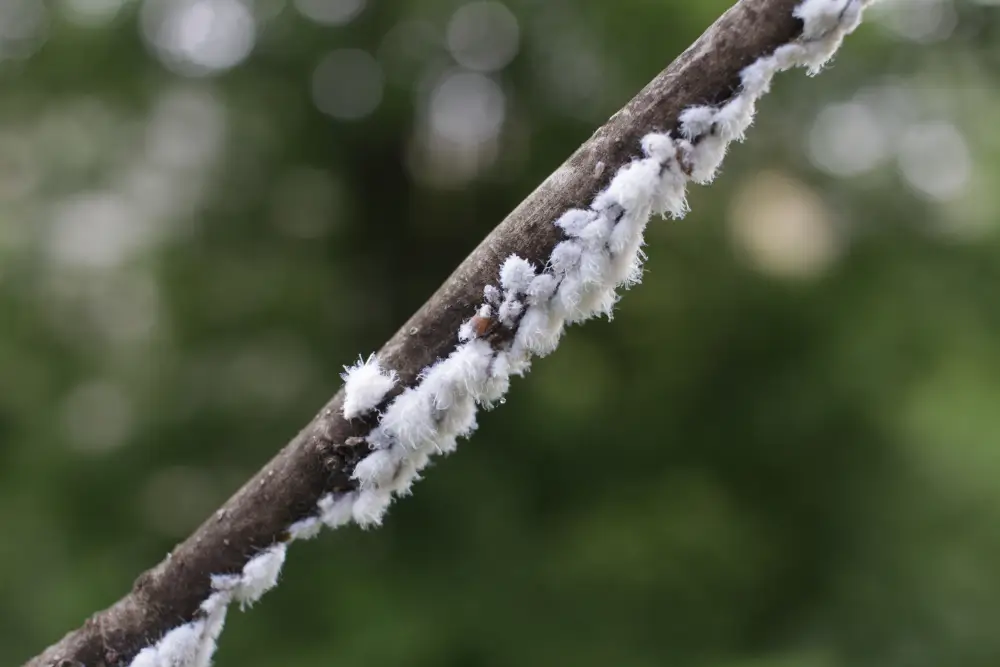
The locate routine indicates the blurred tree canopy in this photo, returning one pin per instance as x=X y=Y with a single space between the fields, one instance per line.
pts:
x=784 y=451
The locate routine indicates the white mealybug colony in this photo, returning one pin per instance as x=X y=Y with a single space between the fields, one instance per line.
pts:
x=601 y=252
x=365 y=385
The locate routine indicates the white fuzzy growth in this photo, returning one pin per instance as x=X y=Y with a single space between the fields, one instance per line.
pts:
x=471 y=364
x=595 y=264
x=516 y=274
x=193 y=644
x=377 y=468
x=217 y=602
x=464 y=373
x=305 y=529
x=633 y=187
x=519 y=361
x=626 y=270
x=180 y=646
x=371 y=506
x=448 y=445
x=756 y=77
x=825 y=18
x=409 y=473
x=569 y=296
x=825 y=24
x=420 y=460
x=335 y=510
x=459 y=421
x=595 y=235
x=365 y=385
x=539 y=333
x=213 y=625
x=696 y=122
x=626 y=236
x=541 y=289
x=501 y=366
x=670 y=196
x=147 y=657
x=734 y=119
x=498 y=383
x=409 y=420
x=492 y=294
x=660 y=146
x=466 y=332
x=424 y=419
x=579 y=281
x=443 y=384
x=602 y=302
x=260 y=574
x=226 y=583
x=574 y=220
x=188 y=645
x=511 y=309
x=565 y=257
x=632 y=274
x=704 y=157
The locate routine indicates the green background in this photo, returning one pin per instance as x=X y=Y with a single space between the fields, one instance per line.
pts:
x=783 y=452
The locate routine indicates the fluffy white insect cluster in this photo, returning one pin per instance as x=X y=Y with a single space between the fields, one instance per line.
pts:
x=601 y=252
x=365 y=385
x=192 y=644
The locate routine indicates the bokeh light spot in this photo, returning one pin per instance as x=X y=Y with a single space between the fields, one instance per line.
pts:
x=466 y=107
x=917 y=20
x=199 y=37
x=96 y=416
x=782 y=226
x=23 y=28
x=483 y=36
x=847 y=140
x=330 y=12
x=91 y=13
x=347 y=84
x=934 y=160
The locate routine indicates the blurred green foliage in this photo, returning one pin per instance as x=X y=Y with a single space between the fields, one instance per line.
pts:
x=783 y=452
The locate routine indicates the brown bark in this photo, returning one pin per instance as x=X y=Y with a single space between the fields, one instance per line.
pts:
x=321 y=457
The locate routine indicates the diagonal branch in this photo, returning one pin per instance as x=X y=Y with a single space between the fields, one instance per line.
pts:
x=676 y=129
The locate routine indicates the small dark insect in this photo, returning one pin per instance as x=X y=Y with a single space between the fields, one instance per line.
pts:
x=484 y=326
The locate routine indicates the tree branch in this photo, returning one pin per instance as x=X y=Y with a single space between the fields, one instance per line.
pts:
x=322 y=458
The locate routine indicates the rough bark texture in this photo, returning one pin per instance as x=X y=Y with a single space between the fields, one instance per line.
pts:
x=321 y=457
